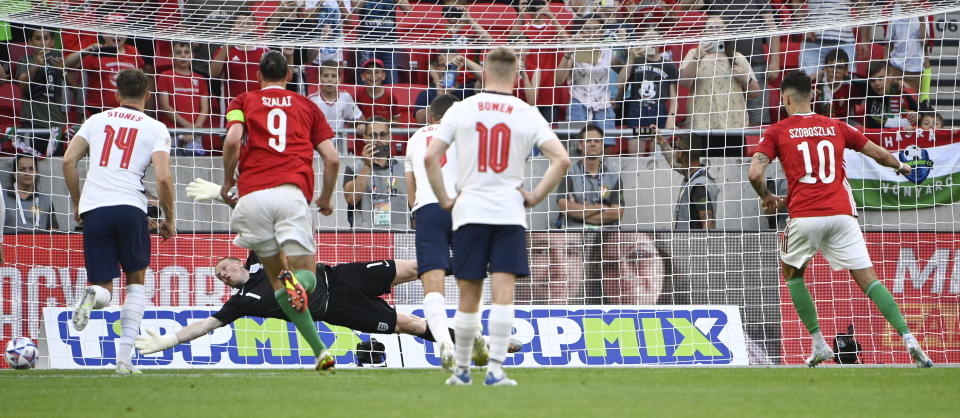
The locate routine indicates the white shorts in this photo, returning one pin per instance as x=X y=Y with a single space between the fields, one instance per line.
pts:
x=837 y=237
x=269 y=219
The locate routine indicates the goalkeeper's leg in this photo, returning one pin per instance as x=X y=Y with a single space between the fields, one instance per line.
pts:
x=874 y=289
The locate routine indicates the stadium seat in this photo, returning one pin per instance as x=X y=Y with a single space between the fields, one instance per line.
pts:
x=163 y=59
x=421 y=23
x=498 y=19
x=16 y=51
x=10 y=95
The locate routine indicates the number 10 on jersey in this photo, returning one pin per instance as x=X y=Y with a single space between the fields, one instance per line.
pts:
x=494 y=149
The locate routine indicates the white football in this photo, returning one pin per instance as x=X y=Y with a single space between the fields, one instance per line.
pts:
x=912 y=153
x=21 y=353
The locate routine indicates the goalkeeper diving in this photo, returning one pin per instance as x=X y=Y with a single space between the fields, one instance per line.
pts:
x=347 y=295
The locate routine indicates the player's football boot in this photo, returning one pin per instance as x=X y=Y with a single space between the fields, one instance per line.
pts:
x=514 y=346
x=460 y=378
x=919 y=357
x=447 y=358
x=326 y=361
x=81 y=314
x=502 y=380
x=298 y=295
x=126 y=368
x=481 y=352
x=820 y=354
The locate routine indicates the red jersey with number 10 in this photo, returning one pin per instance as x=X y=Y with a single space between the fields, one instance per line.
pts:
x=282 y=130
x=810 y=148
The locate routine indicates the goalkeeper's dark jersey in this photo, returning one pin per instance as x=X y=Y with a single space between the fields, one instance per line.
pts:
x=256 y=297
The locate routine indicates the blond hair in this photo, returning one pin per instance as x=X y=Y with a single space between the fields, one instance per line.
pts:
x=501 y=63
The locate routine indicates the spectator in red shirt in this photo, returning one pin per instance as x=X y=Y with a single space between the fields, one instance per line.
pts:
x=183 y=98
x=102 y=62
x=538 y=24
x=374 y=99
x=835 y=90
x=238 y=64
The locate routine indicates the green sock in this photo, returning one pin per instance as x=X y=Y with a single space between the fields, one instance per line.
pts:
x=303 y=321
x=881 y=297
x=307 y=279
x=802 y=301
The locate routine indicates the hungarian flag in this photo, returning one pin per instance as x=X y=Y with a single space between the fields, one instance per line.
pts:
x=935 y=179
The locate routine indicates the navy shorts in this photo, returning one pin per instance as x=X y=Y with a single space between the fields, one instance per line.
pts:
x=502 y=248
x=434 y=237
x=114 y=236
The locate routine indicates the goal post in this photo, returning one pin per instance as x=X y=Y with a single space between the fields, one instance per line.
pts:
x=653 y=251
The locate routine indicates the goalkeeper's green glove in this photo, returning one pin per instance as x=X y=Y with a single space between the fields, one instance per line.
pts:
x=201 y=190
x=155 y=342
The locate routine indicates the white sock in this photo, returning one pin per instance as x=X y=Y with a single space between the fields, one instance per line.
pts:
x=102 y=297
x=466 y=327
x=500 y=324
x=818 y=339
x=908 y=337
x=436 y=315
x=130 y=317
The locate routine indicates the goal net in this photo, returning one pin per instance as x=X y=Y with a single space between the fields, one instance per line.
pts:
x=653 y=250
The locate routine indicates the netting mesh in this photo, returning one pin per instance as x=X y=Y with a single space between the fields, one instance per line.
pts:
x=643 y=222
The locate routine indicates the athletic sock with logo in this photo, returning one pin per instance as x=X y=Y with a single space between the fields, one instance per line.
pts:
x=881 y=297
x=803 y=302
x=303 y=321
x=130 y=316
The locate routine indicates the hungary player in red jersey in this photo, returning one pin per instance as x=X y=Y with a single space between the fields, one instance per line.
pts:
x=822 y=211
x=281 y=129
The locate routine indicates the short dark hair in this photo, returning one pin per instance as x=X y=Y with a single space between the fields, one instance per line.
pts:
x=132 y=83
x=182 y=43
x=798 y=81
x=590 y=127
x=273 y=66
x=876 y=67
x=330 y=64
x=836 y=55
x=440 y=104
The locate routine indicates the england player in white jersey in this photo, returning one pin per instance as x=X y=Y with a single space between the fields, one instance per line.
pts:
x=494 y=132
x=434 y=229
x=122 y=143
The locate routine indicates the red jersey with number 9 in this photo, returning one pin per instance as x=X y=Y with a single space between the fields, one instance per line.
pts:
x=282 y=130
x=810 y=148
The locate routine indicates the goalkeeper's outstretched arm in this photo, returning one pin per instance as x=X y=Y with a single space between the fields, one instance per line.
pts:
x=154 y=342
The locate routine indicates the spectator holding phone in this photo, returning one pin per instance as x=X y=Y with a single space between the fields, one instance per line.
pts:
x=373 y=187
x=41 y=75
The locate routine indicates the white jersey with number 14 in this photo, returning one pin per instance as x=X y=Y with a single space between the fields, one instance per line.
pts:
x=494 y=134
x=416 y=151
x=122 y=142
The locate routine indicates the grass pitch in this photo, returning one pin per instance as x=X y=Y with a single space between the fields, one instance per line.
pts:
x=541 y=392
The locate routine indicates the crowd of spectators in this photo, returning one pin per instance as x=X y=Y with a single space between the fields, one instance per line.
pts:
x=370 y=95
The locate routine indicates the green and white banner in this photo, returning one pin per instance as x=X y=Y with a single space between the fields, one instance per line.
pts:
x=935 y=179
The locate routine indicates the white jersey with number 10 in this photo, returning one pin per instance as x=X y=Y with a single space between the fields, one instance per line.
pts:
x=122 y=142
x=494 y=134
x=416 y=151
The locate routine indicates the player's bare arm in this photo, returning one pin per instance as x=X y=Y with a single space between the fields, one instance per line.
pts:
x=161 y=170
x=758 y=168
x=331 y=168
x=75 y=151
x=885 y=158
x=353 y=189
x=231 y=156
x=435 y=151
x=411 y=189
x=559 y=163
